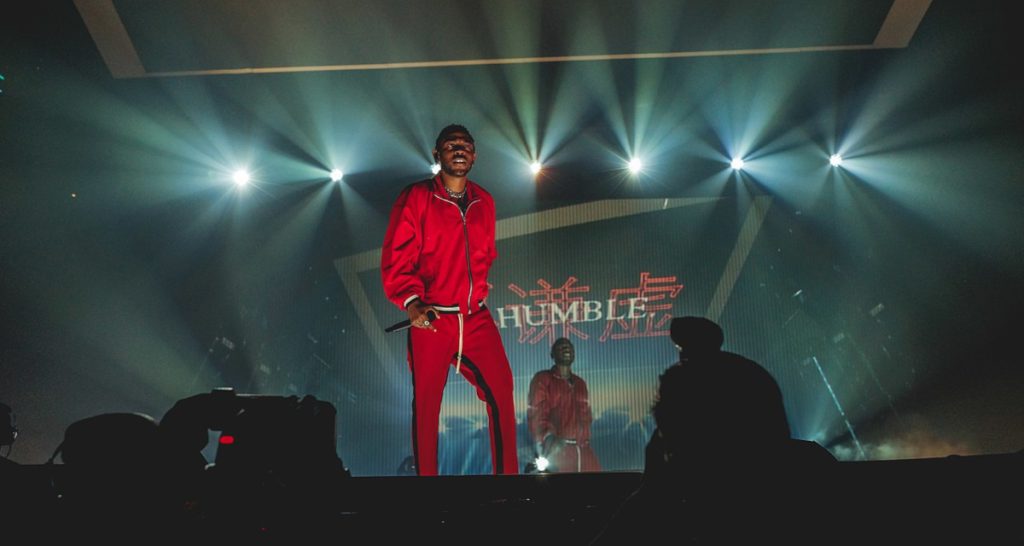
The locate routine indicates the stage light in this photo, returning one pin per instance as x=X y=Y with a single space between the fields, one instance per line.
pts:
x=635 y=165
x=240 y=177
x=835 y=160
x=336 y=175
x=736 y=163
x=435 y=168
x=541 y=463
x=535 y=167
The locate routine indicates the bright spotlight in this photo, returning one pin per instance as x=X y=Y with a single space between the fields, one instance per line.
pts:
x=737 y=163
x=435 y=168
x=635 y=165
x=336 y=175
x=240 y=177
x=542 y=463
x=835 y=160
x=535 y=167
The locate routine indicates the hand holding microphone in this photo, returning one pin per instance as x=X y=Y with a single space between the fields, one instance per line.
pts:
x=429 y=318
x=421 y=315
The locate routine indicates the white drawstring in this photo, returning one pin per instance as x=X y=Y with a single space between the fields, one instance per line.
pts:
x=458 y=357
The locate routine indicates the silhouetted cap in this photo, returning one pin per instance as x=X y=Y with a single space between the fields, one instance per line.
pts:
x=449 y=130
x=696 y=335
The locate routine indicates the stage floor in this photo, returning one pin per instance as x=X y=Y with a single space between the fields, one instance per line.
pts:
x=974 y=499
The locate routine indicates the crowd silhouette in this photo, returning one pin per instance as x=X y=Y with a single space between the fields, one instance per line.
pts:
x=721 y=467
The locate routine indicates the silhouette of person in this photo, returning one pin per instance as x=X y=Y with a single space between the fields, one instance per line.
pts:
x=437 y=252
x=112 y=482
x=559 y=415
x=721 y=466
x=28 y=494
x=8 y=432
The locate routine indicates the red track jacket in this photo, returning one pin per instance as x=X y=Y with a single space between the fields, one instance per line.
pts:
x=435 y=252
x=562 y=408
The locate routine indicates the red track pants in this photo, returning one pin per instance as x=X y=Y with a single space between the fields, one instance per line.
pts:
x=484 y=364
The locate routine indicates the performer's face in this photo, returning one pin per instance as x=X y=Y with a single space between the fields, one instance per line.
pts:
x=456 y=154
x=563 y=352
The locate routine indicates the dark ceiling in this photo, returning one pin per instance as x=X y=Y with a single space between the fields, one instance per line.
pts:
x=199 y=37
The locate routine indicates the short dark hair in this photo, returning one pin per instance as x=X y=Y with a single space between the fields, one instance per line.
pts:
x=453 y=128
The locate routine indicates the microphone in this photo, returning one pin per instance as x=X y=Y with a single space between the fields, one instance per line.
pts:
x=402 y=325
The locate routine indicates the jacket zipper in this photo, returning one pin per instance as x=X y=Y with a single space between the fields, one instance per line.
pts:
x=469 y=264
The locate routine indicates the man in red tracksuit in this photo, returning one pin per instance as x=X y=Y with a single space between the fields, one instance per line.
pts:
x=559 y=414
x=437 y=251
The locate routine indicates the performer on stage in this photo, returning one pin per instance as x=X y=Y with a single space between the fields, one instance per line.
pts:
x=437 y=251
x=559 y=415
